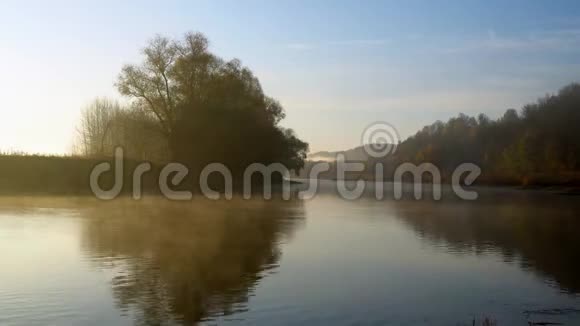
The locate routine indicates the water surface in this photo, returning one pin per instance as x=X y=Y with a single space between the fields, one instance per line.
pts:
x=511 y=255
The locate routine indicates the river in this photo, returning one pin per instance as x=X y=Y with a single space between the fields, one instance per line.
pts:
x=511 y=255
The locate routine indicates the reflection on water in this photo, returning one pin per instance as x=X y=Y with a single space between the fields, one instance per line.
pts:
x=538 y=230
x=185 y=262
x=512 y=255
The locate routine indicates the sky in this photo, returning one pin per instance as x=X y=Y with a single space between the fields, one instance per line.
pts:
x=335 y=66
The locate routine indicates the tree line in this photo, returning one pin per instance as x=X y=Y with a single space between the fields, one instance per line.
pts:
x=540 y=142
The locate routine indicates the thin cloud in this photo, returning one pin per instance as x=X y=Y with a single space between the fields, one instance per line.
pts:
x=537 y=41
x=363 y=42
x=299 y=46
x=342 y=43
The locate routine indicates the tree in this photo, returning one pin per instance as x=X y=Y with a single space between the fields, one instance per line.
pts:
x=105 y=125
x=209 y=109
x=94 y=132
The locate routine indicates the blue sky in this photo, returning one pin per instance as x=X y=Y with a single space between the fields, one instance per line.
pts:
x=336 y=66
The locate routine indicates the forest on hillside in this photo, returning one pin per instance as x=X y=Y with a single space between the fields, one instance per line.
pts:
x=539 y=144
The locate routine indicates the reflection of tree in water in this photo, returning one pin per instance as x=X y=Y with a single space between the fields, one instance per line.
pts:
x=539 y=231
x=184 y=262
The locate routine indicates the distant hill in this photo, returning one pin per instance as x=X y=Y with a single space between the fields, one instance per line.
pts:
x=353 y=154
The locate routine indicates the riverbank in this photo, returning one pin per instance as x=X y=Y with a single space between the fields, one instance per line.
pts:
x=70 y=175
x=33 y=174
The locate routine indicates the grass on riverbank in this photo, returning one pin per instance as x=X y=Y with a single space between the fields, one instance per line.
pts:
x=70 y=175
x=32 y=174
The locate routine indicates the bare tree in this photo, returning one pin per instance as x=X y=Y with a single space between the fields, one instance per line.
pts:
x=95 y=130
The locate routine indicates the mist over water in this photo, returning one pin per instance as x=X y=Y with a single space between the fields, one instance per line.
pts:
x=509 y=255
